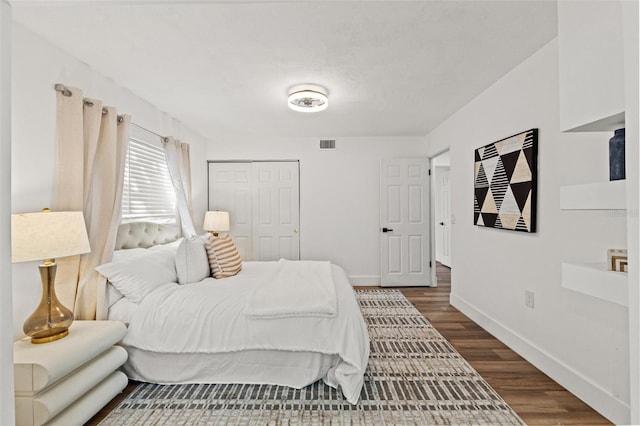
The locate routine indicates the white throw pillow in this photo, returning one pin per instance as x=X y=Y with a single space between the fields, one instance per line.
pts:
x=192 y=263
x=139 y=275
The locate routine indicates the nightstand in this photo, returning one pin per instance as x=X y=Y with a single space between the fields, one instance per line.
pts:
x=67 y=381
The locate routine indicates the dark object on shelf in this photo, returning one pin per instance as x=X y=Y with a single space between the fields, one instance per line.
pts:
x=616 y=156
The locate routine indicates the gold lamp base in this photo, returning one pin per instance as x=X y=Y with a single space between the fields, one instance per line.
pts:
x=51 y=319
x=51 y=338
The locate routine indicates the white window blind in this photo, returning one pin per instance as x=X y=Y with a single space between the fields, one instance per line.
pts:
x=148 y=193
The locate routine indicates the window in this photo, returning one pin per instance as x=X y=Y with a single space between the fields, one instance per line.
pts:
x=148 y=193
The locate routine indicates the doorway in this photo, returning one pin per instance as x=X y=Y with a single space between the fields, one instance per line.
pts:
x=441 y=166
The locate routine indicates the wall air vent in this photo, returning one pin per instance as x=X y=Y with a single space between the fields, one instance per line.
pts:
x=327 y=144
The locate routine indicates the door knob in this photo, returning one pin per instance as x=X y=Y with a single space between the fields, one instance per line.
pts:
x=387 y=230
x=295 y=231
x=442 y=223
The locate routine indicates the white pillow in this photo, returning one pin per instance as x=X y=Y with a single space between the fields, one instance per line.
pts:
x=113 y=295
x=139 y=275
x=172 y=246
x=127 y=253
x=192 y=264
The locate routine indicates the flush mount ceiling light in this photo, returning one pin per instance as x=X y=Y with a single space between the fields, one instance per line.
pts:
x=308 y=98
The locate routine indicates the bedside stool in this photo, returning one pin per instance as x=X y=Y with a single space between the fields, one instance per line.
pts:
x=67 y=381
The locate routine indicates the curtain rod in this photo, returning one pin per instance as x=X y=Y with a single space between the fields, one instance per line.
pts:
x=164 y=138
x=59 y=87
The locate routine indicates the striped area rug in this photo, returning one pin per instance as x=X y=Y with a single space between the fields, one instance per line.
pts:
x=414 y=377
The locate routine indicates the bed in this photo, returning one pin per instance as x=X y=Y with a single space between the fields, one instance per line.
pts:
x=282 y=322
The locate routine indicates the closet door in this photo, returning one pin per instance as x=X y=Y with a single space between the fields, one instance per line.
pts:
x=230 y=190
x=263 y=201
x=276 y=211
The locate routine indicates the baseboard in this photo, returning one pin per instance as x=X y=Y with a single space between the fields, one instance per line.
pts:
x=592 y=394
x=364 y=280
x=374 y=280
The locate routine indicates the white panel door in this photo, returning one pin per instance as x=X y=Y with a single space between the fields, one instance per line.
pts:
x=230 y=189
x=276 y=218
x=443 y=216
x=263 y=201
x=404 y=222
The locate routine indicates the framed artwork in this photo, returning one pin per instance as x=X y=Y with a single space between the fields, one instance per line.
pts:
x=505 y=183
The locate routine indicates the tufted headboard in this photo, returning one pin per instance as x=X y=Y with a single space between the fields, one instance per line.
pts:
x=145 y=234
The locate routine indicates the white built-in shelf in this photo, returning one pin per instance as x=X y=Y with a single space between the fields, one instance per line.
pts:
x=594 y=196
x=595 y=280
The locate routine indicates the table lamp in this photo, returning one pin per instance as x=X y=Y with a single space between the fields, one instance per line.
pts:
x=216 y=221
x=48 y=235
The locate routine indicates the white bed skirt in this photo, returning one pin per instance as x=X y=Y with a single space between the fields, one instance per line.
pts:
x=294 y=369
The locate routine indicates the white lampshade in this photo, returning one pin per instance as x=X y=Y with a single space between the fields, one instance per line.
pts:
x=216 y=221
x=47 y=235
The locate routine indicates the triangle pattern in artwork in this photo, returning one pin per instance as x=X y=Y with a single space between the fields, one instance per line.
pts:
x=499 y=185
x=489 y=205
x=489 y=151
x=528 y=139
x=509 y=204
x=509 y=221
x=478 y=157
x=528 y=154
x=481 y=194
x=526 y=213
x=489 y=219
x=521 y=226
x=521 y=172
x=521 y=193
x=509 y=161
x=499 y=177
x=512 y=144
x=498 y=223
x=481 y=180
x=476 y=215
x=490 y=167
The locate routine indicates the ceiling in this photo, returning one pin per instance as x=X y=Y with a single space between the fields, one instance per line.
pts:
x=392 y=68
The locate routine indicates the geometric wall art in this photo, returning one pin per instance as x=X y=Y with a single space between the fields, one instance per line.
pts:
x=505 y=183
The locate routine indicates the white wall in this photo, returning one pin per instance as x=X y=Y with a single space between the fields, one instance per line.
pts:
x=580 y=341
x=339 y=196
x=630 y=18
x=37 y=66
x=7 y=415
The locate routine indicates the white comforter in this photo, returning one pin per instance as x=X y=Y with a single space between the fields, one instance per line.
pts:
x=295 y=288
x=209 y=317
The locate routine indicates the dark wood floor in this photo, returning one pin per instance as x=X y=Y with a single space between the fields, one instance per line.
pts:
x=536 y=398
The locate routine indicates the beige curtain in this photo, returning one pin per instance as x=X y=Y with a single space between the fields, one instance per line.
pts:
x=185 y=170
x=90 y=161
x=179 y=164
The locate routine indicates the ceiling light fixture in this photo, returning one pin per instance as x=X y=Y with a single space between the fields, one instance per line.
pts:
x=308 y=98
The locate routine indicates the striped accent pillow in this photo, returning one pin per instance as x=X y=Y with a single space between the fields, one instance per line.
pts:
x=224 y=259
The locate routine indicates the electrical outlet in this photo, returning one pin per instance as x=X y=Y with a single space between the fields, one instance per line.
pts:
x=528 y=299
